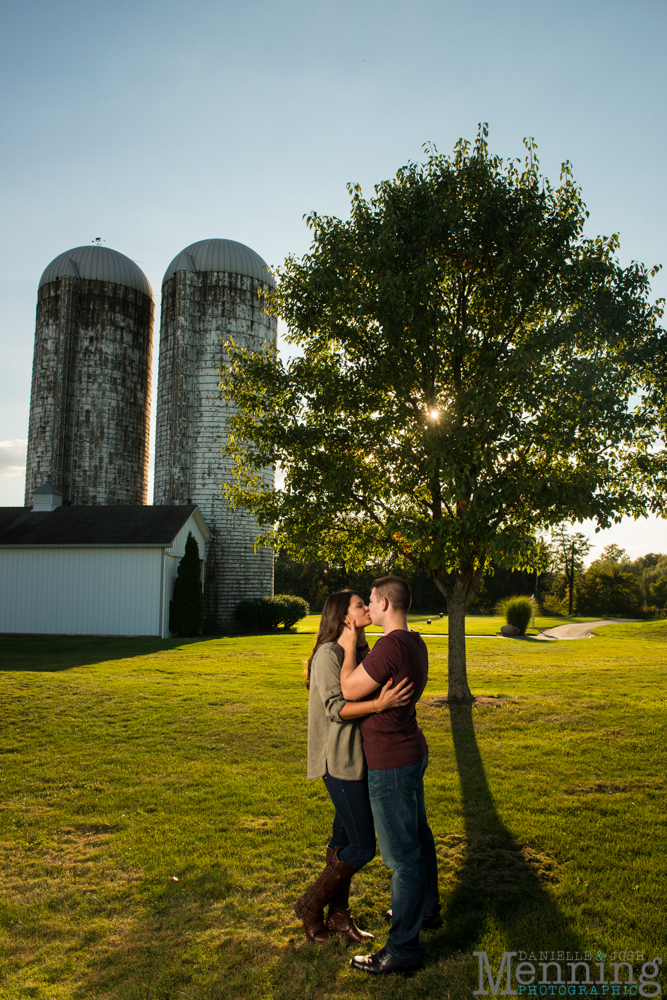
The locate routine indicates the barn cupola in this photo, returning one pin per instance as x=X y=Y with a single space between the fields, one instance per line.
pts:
x=46 y=497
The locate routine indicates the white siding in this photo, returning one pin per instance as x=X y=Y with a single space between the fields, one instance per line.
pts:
x=81 y=591
x=177 y=547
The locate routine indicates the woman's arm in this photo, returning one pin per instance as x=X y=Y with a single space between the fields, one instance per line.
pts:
x=388 y=698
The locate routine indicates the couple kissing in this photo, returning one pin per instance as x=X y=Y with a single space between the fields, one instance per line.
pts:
x=364 y=741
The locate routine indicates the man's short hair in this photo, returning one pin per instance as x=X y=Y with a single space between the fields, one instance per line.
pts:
x=396 y=590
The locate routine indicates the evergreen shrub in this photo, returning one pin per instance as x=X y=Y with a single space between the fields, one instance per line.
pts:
x=186 y=608
x=265 y=614
x=517 y=611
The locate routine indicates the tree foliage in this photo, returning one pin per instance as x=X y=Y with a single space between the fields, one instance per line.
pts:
x=467 y=368
x=315 y=580
x=654 y=581
x=613 y=553
x=609 y=589
x=613 y=585
x=186 y=608
x=651 y=571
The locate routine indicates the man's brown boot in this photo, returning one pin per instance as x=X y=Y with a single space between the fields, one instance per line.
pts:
x=310 y=907
x=339 y=918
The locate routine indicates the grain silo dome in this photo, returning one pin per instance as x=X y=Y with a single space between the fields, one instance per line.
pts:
x=97 y=263
x=220 y=255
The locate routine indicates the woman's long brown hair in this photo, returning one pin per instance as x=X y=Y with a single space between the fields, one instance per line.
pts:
x=332 y=623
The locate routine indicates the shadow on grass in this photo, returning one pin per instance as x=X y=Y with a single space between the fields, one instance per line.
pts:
x=157 y=953
x=201 y=937
x=52 y=653
x=499 y=882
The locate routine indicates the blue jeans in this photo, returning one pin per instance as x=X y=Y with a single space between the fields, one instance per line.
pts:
x=407 y=846
x=353 y=823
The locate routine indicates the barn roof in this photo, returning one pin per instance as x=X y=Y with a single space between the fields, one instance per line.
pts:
x=94 y=526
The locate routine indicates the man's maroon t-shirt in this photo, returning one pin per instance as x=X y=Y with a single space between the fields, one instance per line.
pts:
x=393 y=738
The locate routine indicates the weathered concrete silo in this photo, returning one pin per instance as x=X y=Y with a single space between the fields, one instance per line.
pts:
x=91 y=379
x=210 y=291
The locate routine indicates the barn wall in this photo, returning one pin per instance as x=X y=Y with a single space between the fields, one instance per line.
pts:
x=81 y=591
x=177 y=547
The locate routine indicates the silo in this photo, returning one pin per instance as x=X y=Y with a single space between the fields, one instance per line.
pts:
x=91 y=379
x=210 y=291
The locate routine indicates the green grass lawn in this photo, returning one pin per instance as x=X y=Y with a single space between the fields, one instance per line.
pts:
x=475 y=624
x=156 y=824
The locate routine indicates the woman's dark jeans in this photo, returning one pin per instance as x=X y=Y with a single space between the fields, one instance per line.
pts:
x=353 y=827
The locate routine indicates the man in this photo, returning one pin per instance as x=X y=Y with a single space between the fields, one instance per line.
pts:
x=397 y=754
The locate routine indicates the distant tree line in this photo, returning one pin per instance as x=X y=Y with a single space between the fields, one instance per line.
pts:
x=314 y=581
x=612 y=585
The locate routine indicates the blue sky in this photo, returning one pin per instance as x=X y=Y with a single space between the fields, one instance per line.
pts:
x=155 y=124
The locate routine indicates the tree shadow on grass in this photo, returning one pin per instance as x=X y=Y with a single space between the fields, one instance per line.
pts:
x=53 y=653
x=499 y=881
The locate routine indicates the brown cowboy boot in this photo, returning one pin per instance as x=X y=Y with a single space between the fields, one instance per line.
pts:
x=310 y=907
x=339 y=918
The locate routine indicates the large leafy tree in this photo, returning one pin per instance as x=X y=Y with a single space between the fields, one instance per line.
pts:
x=467 y=371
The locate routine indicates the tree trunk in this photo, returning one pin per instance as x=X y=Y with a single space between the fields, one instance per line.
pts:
x=458 y=678
x=458 y=593
x=570 y=583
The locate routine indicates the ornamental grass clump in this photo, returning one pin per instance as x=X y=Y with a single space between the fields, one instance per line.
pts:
x=517 y=611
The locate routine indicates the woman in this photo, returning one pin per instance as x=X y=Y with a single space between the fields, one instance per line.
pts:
x=335 y=753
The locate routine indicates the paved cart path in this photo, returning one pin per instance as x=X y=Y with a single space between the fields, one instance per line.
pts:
x=574 y=631
x=583 y=630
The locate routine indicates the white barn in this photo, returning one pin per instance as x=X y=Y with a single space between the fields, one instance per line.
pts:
x=92 y=570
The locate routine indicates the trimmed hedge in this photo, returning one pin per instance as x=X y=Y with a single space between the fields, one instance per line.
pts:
x=265 y=614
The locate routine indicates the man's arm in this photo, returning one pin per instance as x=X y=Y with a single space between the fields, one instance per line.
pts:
x=355 y=683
